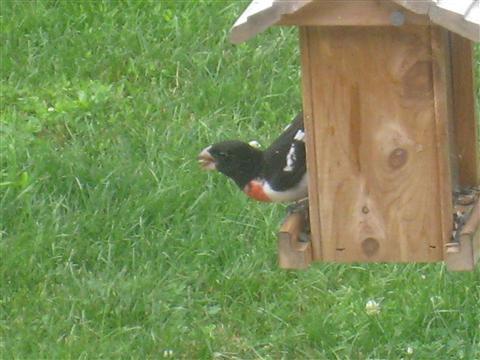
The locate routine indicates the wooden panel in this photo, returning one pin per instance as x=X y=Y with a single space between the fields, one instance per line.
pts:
x=444 y=138
x=380 y=179
x=349 y=13
x=310 y=145
x=456 y=16
x=464 y=111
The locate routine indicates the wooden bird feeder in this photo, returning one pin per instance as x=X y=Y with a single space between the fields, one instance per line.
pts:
x=391 y=129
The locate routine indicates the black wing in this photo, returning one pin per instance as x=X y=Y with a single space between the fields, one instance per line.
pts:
x=284 y=160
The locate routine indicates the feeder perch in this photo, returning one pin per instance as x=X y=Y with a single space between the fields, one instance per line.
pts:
x=294 y=246
x=391 y=129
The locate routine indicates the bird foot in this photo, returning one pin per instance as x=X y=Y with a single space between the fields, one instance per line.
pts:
x=298 y=206
x=301 y=207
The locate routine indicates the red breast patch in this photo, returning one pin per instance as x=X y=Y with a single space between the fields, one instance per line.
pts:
x=254 y=190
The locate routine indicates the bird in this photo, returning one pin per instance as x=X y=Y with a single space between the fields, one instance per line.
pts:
x=277 y=174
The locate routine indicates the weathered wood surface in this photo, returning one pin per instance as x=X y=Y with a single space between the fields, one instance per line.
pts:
x=444 y=140
x=350 y=13
x=379 y=124
x=292 y=252
x=310 y=144
x=464 y=111
x=459 y=16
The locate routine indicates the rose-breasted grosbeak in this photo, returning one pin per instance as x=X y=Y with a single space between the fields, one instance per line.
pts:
x=277 y=174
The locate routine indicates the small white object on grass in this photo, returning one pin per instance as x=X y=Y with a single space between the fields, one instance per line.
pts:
x=372 y=307
x=167 y=353
x=51 y=109
x=255 y=144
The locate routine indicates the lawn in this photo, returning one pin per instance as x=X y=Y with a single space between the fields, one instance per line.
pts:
x=114 y=244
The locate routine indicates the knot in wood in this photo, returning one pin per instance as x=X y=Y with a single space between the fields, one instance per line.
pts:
x=365 y=210
x=398 y=158
x=370 y=246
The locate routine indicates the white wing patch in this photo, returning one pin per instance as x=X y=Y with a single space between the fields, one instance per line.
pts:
x=291 y=157
x=299 y=136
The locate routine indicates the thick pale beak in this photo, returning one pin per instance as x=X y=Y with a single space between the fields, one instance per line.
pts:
x=206 y=160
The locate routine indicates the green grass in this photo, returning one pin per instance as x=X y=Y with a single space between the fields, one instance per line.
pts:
x=115 y=245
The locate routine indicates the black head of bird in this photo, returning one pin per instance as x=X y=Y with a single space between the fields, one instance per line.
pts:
x=235 y=159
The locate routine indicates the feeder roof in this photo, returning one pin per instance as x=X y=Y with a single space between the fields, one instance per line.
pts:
x=459 y=16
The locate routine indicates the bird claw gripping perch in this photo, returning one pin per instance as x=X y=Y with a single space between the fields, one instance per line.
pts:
x=301 y=207
x=464 y=201
x=298 y=206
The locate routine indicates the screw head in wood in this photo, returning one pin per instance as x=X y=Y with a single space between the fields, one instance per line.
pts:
x=397 y=18
x=398 y=158
x=365 y=210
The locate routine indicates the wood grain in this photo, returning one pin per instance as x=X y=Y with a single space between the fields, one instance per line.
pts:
x=453 y=15
x=349 y=13
x=464 y=111
x=380 y=178
x=443 y=118
x=310 y=144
